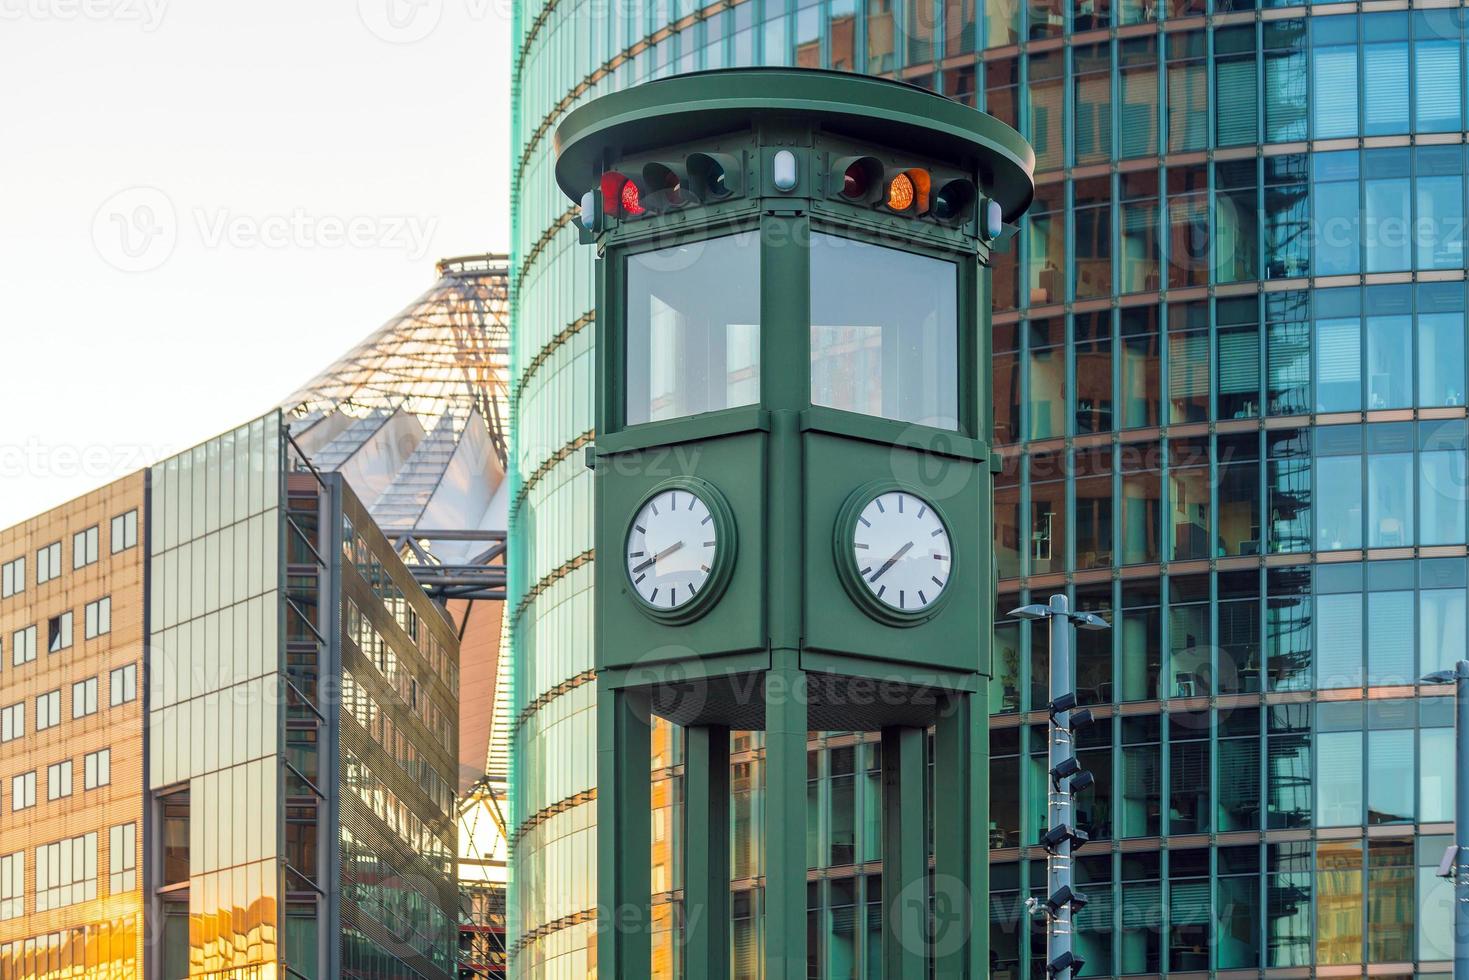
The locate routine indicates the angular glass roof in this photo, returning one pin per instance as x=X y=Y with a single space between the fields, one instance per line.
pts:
x=447 y=353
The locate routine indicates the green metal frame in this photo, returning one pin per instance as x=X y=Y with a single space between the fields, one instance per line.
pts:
x=789 y=641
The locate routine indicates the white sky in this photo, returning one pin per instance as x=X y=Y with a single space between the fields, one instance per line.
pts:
x=203 y=203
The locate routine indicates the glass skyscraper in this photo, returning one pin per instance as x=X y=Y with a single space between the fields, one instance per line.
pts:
x=228 y=731
x=1229 y=384
x=302 y=728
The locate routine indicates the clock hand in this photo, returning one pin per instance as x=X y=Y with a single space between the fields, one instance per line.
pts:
x=658 y=557
x=891 y=561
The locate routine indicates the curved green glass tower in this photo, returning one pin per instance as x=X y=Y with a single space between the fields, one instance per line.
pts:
x=1230 y=377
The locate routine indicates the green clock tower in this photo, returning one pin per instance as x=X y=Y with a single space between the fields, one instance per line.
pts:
x=793 y=482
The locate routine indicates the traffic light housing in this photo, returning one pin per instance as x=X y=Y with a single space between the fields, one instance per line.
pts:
x=905 y=186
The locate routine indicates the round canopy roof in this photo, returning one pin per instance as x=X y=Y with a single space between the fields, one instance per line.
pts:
x=863 y=107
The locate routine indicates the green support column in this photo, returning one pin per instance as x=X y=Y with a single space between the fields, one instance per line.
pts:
x=624 y=814
x=706 y=856
x=960 y=842
x=785 y=820
x=904 y=894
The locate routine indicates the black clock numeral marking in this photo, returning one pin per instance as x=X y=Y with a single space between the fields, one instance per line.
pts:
x=859 y=544
x=937 y=531
x=703 y=568
x=935 y=580
x=654 y=596
x=710 y=544
x=640 y=529
x=691 y=587
x=939 y=557
x=866 y=570
x=880 y=508
x=900 y=503
x=639 y=579
x=922 y=598
x=902 y=599
x=921 y=511
x=865 y=522
x=692 y=500
x=636 y=554
x=654 y=504
x=707 y=519
x=881 y=590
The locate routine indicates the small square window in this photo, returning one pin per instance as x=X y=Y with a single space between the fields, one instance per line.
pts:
x=58 y=632
x=13 y=577
x=23 y=646
x=124 y=683
x=48 y=562
x=97 y=769
x=84 y=547
x=58 y=780
x=84 y=698
x=98 y=617
x=124 y=531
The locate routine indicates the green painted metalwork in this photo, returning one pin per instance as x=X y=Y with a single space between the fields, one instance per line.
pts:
x=706 y=839
x=782 y=637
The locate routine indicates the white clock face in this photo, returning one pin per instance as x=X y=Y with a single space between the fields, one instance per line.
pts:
x=903 y=551
x=671 y=548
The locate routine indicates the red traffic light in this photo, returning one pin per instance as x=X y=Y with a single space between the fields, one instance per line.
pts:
x=620 y=195
x=857 y=179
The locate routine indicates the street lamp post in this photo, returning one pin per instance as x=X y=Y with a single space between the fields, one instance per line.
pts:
x=1067 y=778
x=1456 y=861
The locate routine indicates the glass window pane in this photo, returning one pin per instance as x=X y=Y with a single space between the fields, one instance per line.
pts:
x=1047 y=377
x=1339 y=779
x=693 y=328
x=1441 y=629
x=1436 y=781
x=1339 y=640
x=1338 y=365
x=1436 y=89
x=1335 y=80
x=1390 y=776
x=1285 y=81
x=1390 y=500
x=1387 y=222
x=884 y=332
x=1390 y=647
x=1439 y=229
x=1435 y=916
x=1139 y=102
x=1440 y=359
x=1338 y=502
x=1385 y=78
x=1389 y=362
x=1238 y=98
x=1441 y=497
x=1339 y=889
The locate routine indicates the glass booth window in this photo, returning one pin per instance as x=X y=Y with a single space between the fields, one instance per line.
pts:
x=693 y=328
x=884 y=332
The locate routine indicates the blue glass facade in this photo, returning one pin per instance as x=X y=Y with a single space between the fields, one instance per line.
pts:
x=1230 y=379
